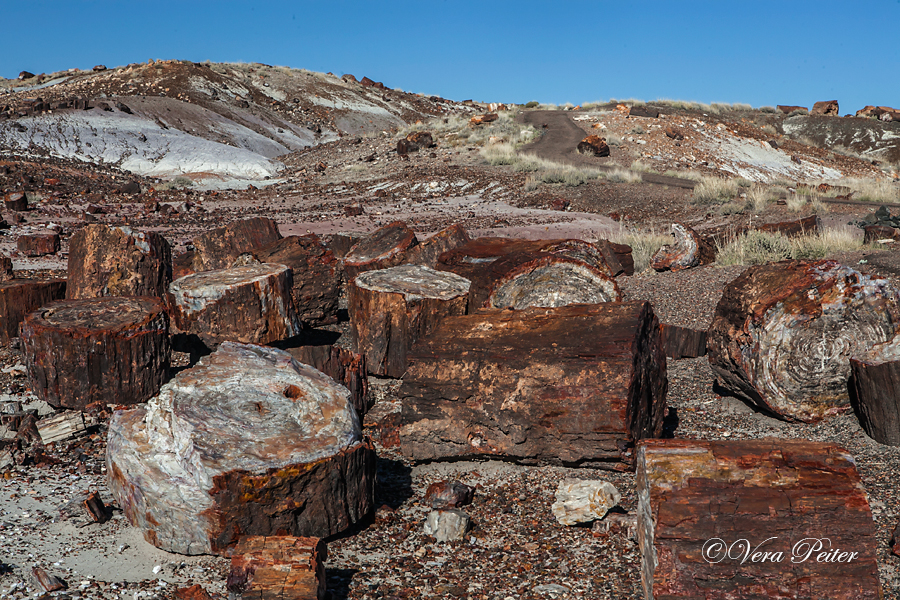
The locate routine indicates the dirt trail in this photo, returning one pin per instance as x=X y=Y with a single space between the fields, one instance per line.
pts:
x=561 y=137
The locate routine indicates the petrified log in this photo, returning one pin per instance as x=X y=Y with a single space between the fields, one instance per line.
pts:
x=876 y=233
x=480 y=261
x=689 y=250
x=783 y=334
x=683 y=342
x=38 y=244
x=577 y=384
x=875 y=391
x=344 y=366
x=387 y=247
x=316 y=273
x=548 y=280
x=826 y=107
x=63 y=426
x=250 y=304
x=95 y=508
x=217 y=249
x=618 y=257
x=112 y=350
x=16 y=201
x=278 y=568
x=19 y=297
x=643 y=111
x=748 y=519
x=6 y=269
x=805 y=226
x=392 y=308
x=118 y=261
x=593 y=144
x=427 y=252
x=246 y=442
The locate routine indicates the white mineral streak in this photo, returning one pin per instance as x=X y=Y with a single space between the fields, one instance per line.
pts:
x=244 y=407
x=583 y=501
x=801 y=362
x=194 y=293
x=415 y=282
x=139 y=237
x=553 y=285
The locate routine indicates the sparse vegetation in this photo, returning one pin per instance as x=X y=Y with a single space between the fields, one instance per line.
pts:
x=544 y=170
x=455 y=131
x=874 y=190
x=760 y=247
x=715 y=190
x=622 y=176
x=644 y=245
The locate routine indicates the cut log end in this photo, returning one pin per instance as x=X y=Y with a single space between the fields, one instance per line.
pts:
x=414 y=282
x=552 y=281
x=689 y=250
x=385 y=248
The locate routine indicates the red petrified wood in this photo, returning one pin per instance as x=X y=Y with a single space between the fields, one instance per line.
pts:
x=18 y=297
x=344 y=366
x=218 y=249
x=752 y=519
x=688 y=250
x=875 y=391
x=429 y=250
x=38 y=244
x=577 y=384
x=278 y=568
x=387 y=247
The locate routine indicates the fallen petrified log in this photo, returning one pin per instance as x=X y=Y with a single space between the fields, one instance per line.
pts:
x=18 y=297
x=112 y=350
x=574 y=385
x=316 y=274
x=217 y=249
x=783 y=334
x=247 y=442
x=765 y=518
x=593 y=144
x=720 y=236
x=250 y=304
x=875 y=391
x=387 y=247
x=38 y=244
x=876 y=233
x=278 y=568
x=118 y=261
x=643 y=111
x=525 y=279
x=427 y=252
x=392 y=308
x=344 y=366
x=826 y=107
x=689 y=250
x=683 y=342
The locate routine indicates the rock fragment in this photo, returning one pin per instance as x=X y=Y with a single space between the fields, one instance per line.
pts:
x=583 y=501
x=447 y=525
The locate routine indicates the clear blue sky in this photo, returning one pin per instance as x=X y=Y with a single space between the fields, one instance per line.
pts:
x=760 y=53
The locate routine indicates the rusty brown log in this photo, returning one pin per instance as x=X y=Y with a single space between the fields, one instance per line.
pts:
x=427 y=252
x=783 y=334
x=278 y=568
x=392 y=308
x=118 y=261
x=95 y=508
x=246 y=442
x=573 y=385
x=689 y=250
x=16 y=201
x=250 y=304
x=344 y=366
x=806 y=226
x=618 y=257
x=112 y=350
x=38 y=244
x=683 y=342
x=708 y=511
x=875 y=391
x=317 y=276
x=218 y=249
x=643 y=111
x=18 y=297
x=6 y=269
x=387 y=247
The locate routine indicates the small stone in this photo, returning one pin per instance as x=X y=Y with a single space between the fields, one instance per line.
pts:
x=447 y=525
x=449 y=494
x=615 y=523
x=581 y=501
x=551 y=589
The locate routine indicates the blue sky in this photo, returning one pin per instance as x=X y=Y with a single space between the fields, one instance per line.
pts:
x=760 y=53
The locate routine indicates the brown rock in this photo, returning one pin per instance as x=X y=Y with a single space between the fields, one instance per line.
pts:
x=874 y=379
x=874 y=233
x=593 y=144
x=676 y=133
x=19 y=297
x=706 y=508
x=131 y=188
x=427 y=252
x=6 y=269
x=826 y=107
x=422 y=139
x=194 y=592
x=789 y=109
x=449 y=494
x=278 y=568
x=404 y=147
x=783 y=334
x=689 y=250
x=482 y=119
x=683 y=342
x=386 y=247
x=38 y=244
x=118 y=261
x=111 y=350
x=575 y=385
x=643 y=111
x=217 y=249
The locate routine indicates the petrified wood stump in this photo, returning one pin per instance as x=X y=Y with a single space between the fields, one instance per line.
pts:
x=753 y=519
x=429 y=250
x=217 y=249
x=689 y=250
x=18 y=297
x=16 y=201
x=574 y=385
x=111 y=350
x=683 y=342
x=875 y=391
x=118 y=261
x=344 y=366
x=250 y=304
x=548 y=280
x=247 y=442
x=387 y=247
x=278 y=568
x=392 y=308
x=317 y=276
x=783 y=334
x=38 y=244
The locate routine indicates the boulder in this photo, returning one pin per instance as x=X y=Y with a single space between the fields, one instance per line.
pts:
x=594 y=144
x=447 y=525
x=826 y=107
x=218 y=249
x=38 y=244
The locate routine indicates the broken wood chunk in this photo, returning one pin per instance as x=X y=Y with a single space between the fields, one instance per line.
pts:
x=38 y=244
x=392 y=308
x=217 y=249
x=689 y=250
x=316 y=274
x=48 y=583
x=767 y=518
x=643 y=111
x=783 y=334
x=61 y=427
x=113 y=350
x=806 y=226
x=278 y=568
x=118 y=261
x=875 y=391
x=247 y=442
x=618 y=257
x=344 y=366
x=427 y=252
x=683 y=342
x=194 y=592
x=95 y=508
x=19 y=297
x=387 y=247
x=880 y=233
x=572 y=385
x=250 y=304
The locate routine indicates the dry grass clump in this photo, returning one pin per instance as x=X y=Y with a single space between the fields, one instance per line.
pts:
x=544 y=170
x=618 y=175
x=455 y=131
x=715 y=190
x=874 y=190
x=761 y=247
x=644 y=244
